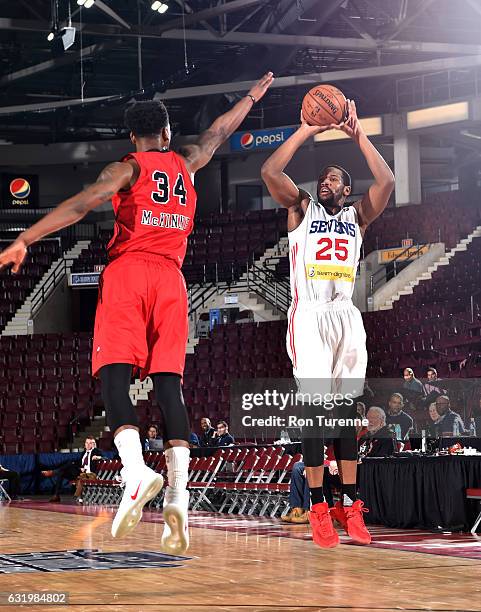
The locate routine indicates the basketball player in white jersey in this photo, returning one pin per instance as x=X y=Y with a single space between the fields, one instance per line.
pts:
x=326 y=339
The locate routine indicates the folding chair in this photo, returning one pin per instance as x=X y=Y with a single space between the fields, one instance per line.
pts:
x=4 y=496
x=233 y=490
x=201 y=487
x=473 y=494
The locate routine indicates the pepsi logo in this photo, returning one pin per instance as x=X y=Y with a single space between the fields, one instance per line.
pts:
x=20 y=188
x=247 y=140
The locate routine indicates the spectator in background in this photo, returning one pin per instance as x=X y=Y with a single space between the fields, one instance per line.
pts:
x=397 y=417
x=207 y=435
x=450 y=423
x=194 y=441
x=432 y=387
x=71 y=470
x=412 y=384
x=378 y=442
x=153 y=442
x=434 y=419
x=13 y=481
x=222 y=437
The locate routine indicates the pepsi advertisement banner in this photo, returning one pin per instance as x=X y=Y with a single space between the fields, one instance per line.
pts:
x=20 y=191
x=255 y=140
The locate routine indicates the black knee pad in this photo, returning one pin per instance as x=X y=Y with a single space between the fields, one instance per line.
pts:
x=168 y=393
x=119 y=409
x=313 y=451
x=345 y=442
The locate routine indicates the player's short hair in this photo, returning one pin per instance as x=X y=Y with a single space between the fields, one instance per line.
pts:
x=147 y=118
x=346 y=177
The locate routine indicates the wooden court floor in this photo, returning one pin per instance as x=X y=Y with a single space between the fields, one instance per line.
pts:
x=235 y=564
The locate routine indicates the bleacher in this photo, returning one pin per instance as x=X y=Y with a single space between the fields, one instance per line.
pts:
x=14 y=288
x=219 y=247
x=46 y=391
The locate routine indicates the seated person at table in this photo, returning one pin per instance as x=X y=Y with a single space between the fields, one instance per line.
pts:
x=207 y=435
x=299 y=497
x=13 y=481
x=434 y=420
x=222 y=437
x=378 y=442
x=450 y=423
x=397 y=416
x=80 y=469
x=153 y=442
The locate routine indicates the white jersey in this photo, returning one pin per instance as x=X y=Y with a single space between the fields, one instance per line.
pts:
x=324 y=252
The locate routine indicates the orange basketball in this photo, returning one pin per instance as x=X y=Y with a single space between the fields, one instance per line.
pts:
x=324 y=104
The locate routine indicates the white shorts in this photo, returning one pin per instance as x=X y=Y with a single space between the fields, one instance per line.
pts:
x=327 y=343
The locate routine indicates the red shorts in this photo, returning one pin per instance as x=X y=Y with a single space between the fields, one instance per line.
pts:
x=142 y=315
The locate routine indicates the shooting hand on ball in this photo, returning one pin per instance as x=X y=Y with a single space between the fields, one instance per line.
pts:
x=351 y=126
x=315 y=129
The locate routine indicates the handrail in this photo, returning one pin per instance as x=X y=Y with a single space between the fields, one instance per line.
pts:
x=374 y=283
x=50 y=283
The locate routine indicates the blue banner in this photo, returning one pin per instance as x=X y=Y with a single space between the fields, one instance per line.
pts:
x=260 y=139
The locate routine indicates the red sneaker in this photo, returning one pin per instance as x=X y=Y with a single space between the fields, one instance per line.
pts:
x=338 y=514
x=323 y=532
x=355 y=522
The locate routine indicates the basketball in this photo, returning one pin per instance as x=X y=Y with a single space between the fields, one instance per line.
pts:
x=323 y=105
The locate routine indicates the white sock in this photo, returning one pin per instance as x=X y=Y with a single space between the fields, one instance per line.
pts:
x=130 y=449
x=347 y=501
x=177 y=459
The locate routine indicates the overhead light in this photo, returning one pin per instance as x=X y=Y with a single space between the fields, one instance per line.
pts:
x=86 y=3
x=437 y=115
x=61 y=40
x=160 y=7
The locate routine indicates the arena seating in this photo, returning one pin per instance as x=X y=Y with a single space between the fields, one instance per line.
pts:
x=46 y=391
x=14 y=288
x=433 y=325
x=219 y=246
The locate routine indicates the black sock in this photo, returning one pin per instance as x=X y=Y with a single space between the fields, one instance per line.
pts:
x=350 y=491
x=317 y=495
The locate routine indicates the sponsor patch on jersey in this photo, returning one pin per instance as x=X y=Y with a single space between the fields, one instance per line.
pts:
x=325 y=272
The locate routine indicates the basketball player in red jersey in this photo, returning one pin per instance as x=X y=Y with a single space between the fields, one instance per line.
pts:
x=141 y=320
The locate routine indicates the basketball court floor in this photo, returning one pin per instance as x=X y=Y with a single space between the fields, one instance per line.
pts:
x=234 y=563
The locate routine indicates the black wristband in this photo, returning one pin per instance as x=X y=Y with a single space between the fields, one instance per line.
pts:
x=251 y=97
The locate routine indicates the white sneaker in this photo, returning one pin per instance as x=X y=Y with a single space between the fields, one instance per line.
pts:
x=175 y=537
x=140 y=487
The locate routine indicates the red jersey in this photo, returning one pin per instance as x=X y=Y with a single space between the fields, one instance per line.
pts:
x=156 y=215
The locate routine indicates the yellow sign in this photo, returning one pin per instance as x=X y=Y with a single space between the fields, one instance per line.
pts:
x=388 y=255
x=324 y=272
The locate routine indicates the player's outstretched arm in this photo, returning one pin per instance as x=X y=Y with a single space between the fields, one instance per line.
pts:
x=114 y=177
x=199 y=154
x=281 y=187
x=377 y=197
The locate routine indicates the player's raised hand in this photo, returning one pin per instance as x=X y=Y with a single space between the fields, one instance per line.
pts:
x=315 y=129
x=14 y=255
x=351 y=126
x=262 y=85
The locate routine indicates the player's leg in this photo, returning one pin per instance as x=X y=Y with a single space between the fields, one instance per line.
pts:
x=168 y=393
x=311 y=359
x=349 y=373
x=141 y=483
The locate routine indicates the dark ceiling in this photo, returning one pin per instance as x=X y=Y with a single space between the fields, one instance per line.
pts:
x=380 y=33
